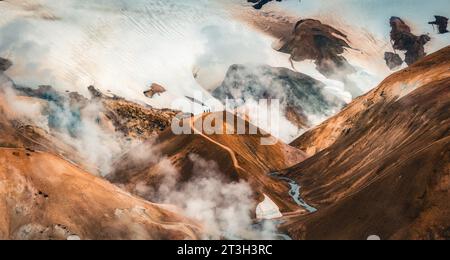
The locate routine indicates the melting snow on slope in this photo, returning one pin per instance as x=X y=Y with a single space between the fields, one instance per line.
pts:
x=124 y=46
x=267 y=210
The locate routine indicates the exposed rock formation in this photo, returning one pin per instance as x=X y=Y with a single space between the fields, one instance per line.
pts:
x=65 y=119
x=313 y=40
x=300 y=95
x=393 y=60
x=404 y=40
x=382 y=166
x=4 y=64
x=136 y=121
x=132 y=119
x=260 y=3
x=154 y=89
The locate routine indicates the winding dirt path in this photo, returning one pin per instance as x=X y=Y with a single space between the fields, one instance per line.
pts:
x=231 y=152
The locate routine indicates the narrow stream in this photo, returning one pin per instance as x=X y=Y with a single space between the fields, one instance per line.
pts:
x=294 y=192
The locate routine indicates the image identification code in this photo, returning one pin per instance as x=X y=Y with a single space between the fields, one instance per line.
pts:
x=207 y=251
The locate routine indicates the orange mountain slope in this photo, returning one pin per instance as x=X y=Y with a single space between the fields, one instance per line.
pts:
x=239 y=157
x=382 y=166
x=44 y=197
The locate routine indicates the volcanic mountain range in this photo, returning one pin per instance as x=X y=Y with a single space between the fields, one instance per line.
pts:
x=381 y=166
x=103 y=167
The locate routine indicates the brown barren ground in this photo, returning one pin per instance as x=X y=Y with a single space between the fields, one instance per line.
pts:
x=44 y=197
x=239 y=157
x=382 y=165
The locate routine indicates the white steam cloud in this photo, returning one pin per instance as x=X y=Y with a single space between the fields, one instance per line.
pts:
x=124 y=46
x=75 y=125
x=226 y=209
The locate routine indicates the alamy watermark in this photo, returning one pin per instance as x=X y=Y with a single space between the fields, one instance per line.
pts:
x=210 y=117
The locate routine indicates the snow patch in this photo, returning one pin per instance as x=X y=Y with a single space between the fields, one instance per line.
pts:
x=268 y=209
x=73 y=238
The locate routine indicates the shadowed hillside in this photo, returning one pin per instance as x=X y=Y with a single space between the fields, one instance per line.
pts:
x=382 y=165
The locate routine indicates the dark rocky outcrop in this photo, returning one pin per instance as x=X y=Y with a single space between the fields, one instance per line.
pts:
x=260 y=3
x=393 y=60
x=131 y=119
x=313 y=40
x=404 y=40
x=128 y=118
x=5 y=64
x=299 y=94
x=43 y=92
